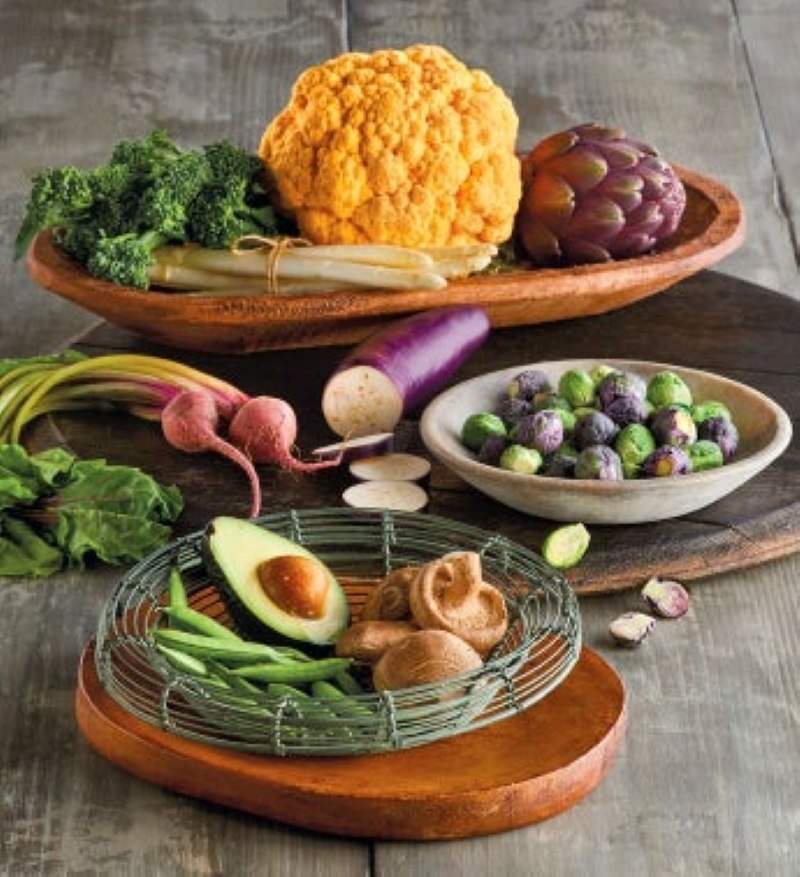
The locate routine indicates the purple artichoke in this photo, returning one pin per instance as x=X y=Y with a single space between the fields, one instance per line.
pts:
x=591 y=194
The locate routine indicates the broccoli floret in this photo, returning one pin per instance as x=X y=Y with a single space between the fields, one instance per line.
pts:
x=125 y=259
x=165 y=203
x=146 y=156
x=217 y=217
x=59 y=196
x=229 y=163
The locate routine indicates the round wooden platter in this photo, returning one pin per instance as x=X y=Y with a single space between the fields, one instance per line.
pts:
x=712 y=227
x=504 y=776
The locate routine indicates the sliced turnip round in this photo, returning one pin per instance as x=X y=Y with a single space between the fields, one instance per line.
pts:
x=398 y=496
x=400 y=367
x=355 y=449
x=391 y=467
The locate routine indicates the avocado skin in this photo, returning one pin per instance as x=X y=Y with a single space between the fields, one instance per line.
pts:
x=249 y=623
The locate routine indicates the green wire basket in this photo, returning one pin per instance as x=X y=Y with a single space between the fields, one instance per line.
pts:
x=360 y=546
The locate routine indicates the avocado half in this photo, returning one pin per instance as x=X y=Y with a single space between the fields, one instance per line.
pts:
x=233 y=550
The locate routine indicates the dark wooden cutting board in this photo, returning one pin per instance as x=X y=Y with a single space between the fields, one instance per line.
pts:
x=711 y=321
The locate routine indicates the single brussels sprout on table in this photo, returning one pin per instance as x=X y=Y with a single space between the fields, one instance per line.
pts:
x=518 y=458
x=595 y=428
x=673 y=426
x=666 y=461
x=705 y=410
x=634 y=444
x=721 y=431
x=705 y=454
x=478 y=427
x=577 y=387
x=667 y=388
x=599 y=463
x=528 y=383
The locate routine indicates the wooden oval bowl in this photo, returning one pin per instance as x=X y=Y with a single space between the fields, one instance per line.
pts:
x=711 y=228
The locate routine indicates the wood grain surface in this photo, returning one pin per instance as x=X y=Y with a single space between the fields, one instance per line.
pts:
x=758 y=522
x=507 y=775
x=712 y=227
x=706 y=781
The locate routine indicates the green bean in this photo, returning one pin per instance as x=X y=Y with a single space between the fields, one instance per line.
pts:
x=238 y=683
x=215 y=647
x=177 y=591
x=342 y=704
x=293 y=674
x=198 y=622
x=348 y=683
x=181 y=661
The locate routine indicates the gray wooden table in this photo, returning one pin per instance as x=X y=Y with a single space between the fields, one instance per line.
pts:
x=707 y=781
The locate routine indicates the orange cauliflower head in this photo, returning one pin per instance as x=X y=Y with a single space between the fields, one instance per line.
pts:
x=401 y=147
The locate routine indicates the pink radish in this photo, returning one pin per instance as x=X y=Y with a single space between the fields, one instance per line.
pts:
x=190 y=422
x=265 y=428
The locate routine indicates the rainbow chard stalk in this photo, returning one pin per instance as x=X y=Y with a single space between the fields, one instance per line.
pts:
x=142 y=385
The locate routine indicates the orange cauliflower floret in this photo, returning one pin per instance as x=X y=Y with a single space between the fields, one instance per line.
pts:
x=402 y=147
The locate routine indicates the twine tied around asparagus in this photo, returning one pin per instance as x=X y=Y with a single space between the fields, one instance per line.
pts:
x=273 y=247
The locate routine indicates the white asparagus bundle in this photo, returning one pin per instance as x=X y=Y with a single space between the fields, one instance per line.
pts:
x=298 y=270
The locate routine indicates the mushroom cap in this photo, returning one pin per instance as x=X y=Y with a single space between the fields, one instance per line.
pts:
x=450 y=594
x=388 y=600
x=423 y=657
x=367 y=640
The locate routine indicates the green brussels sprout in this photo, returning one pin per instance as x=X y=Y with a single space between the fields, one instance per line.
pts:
x=594 y=429
x=634 y=444
x=705 y=454
x=542 y=430
x=527 y=384
x=666 y=461
x=601 y=371
x=518 y=458
x=577 y=387
x=673 y=426
x=704 y=410
x=583 y=410
x=600 y=463
x=667 y=388
x=721 y=431
x=478 y=427
x=492 y=449
x=548 y=401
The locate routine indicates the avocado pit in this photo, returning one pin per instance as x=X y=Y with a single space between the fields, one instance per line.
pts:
x=297 y=585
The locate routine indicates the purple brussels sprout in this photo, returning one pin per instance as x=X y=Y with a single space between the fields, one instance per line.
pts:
x=528 y=383
x=512 y=410
x=666 y=461
x=492 y=449
x=595 y=428
x=619 y=384
x=627 y=409
x=598 y=462
x=721 y=431
x=673 y=426
x=543 y=430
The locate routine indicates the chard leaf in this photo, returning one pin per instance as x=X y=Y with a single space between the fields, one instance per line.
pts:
x=84 y=533
x=23 y=552
x=24 y=478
